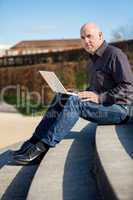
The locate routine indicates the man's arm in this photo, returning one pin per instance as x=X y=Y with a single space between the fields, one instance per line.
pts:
x=122 y=75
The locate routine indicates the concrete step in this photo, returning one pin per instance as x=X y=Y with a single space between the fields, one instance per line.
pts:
x=114 y=146
x=14 y=180
x=65 y=171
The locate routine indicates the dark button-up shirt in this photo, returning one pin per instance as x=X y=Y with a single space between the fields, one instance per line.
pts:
x=111 y=76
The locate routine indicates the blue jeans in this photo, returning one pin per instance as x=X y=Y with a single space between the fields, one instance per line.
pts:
x=64 y=111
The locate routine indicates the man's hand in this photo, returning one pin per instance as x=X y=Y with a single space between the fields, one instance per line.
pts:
x=89 y=96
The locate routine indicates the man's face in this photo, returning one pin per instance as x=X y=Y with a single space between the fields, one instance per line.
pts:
x=91 y=39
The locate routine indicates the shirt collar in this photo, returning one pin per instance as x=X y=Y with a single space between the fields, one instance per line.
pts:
x=101 y=49
x=99 y=52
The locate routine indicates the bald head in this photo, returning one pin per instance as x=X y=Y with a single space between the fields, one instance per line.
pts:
x=92 y=26
x=91 y=37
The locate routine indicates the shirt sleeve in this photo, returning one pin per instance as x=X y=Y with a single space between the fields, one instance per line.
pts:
x=122 y=75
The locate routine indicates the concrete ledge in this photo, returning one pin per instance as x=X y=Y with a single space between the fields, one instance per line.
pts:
x=65 y=171
x=114 y=163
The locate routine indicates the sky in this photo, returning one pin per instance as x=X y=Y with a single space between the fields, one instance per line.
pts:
x=49 y=19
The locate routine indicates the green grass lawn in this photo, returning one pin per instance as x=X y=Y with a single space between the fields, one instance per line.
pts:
x=25 y=107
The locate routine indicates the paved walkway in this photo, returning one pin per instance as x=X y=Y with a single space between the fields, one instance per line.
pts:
x=4 y=107
x=14 y=128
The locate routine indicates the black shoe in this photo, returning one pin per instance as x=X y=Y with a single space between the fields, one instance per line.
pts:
x=26 y=145
x=31 y=154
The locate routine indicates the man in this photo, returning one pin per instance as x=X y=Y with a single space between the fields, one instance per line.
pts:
x=106 y=101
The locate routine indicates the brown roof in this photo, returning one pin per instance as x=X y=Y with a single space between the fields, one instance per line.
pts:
x=48 y=44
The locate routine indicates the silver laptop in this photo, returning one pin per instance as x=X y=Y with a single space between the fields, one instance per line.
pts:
x=54 y=82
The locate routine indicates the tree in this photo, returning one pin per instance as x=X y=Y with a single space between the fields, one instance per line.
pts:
x=122 y=33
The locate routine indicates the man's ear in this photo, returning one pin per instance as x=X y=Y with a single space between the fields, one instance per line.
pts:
x=100 y=35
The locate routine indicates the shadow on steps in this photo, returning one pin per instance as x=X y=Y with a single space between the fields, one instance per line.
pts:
x=125 y=135
x=78 y=180
x=15 y=180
